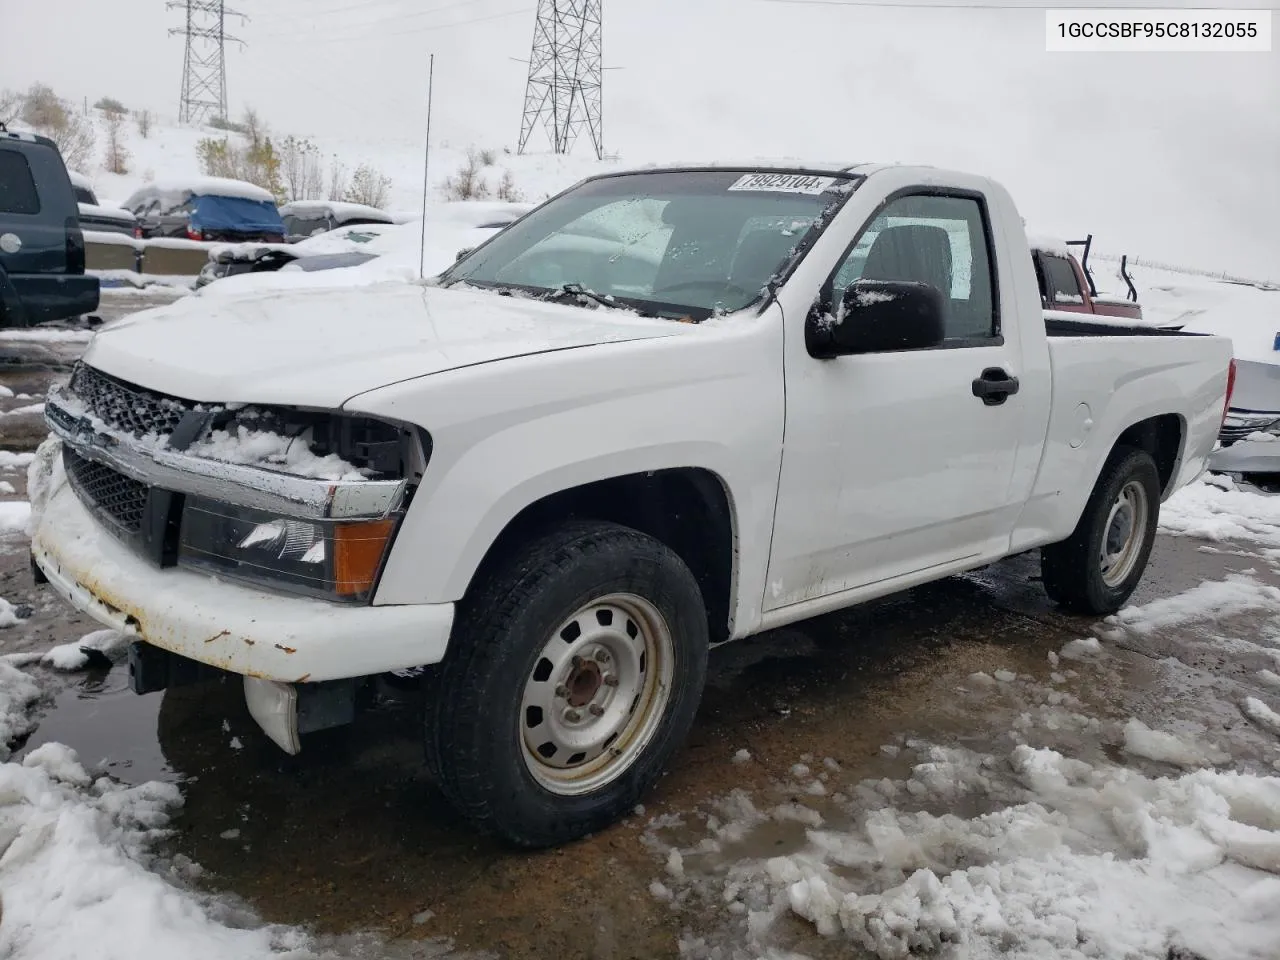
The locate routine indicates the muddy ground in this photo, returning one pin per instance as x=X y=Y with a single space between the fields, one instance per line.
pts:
x=351 y=835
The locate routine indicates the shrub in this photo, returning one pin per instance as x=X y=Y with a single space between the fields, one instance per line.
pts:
x=368 y=186
x=467 y=184
x=487 y=158
x=507 y=189
x=144 y=120
x=110 y=105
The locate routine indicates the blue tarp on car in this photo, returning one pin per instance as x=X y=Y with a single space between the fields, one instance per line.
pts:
x=235 y=214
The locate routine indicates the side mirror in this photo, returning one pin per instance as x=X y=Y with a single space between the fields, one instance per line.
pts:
x=462 y=253
x=875 y=316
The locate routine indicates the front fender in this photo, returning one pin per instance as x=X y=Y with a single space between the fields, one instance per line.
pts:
x=509 y=434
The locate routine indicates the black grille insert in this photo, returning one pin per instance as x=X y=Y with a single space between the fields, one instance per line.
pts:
x=121 y=499
x=127 y=408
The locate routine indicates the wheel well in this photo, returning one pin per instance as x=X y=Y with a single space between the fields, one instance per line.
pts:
x=687 y=509
x=1162 y=438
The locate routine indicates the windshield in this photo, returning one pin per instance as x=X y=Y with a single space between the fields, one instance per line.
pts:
x=671 y=243
x=305 y=226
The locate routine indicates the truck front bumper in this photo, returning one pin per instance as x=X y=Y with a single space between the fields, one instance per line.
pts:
x=264 y=636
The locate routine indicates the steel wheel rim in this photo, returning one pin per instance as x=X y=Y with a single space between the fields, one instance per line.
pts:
x=1124 y=533
x=596 y=694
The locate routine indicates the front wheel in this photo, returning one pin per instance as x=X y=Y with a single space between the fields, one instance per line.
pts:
x=1097 y=568
x=573 y=676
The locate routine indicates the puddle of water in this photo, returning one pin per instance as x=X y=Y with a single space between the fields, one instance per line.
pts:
x=112 y=728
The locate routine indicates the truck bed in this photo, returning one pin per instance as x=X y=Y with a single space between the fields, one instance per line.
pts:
x=1059 y=323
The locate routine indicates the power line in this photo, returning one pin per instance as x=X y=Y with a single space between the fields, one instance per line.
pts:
x=563 y=93
x=204 y=64
x=396 y=18
x=347 y=38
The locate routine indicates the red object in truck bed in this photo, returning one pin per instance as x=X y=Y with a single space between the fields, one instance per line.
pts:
x=1065 y=286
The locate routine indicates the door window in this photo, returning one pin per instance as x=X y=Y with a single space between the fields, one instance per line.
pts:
x=939 y=240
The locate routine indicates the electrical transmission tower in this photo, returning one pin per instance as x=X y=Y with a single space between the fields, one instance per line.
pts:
x=204 y=68
x=565 y=69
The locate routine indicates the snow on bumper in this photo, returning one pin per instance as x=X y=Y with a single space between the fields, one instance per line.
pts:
x=226 y=625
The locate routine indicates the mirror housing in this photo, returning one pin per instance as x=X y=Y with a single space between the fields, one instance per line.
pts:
x=878 y=316
x=462 y=253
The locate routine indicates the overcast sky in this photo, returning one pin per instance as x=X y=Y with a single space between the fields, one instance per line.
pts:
x=1170 y=156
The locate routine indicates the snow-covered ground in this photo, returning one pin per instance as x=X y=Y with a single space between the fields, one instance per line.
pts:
x=1072 y=834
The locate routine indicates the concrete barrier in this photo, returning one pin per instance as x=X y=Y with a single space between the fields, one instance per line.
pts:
x=163 y=256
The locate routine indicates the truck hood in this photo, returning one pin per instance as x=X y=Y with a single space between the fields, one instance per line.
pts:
x=321 y=347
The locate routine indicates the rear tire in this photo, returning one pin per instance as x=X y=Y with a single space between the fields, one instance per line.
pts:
x=1097 y=568
x=573 y=676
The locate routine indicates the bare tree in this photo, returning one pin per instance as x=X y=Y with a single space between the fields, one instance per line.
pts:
x=42 y=109
x=368 y=186
x=300 y=169
x=72 y=132
x=117 y=156
x=143 y=119
x=337 y=179
x=110 y=105
x=11 y=102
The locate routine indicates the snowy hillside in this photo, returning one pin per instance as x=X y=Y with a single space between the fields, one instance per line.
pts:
x=170 y=151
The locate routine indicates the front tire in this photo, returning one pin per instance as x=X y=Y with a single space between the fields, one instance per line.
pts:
x=573 y=676
x=1097 y=568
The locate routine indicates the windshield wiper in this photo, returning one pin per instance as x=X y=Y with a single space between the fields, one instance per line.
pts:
x=578 y=290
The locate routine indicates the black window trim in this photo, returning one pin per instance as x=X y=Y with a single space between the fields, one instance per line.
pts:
x=35 y=187
x=826 y=294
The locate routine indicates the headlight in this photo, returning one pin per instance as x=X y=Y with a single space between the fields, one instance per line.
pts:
x=333 y=560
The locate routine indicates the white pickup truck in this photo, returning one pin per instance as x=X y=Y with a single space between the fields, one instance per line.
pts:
x=663 y=410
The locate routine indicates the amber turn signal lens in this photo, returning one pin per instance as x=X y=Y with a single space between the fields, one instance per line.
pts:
x=358 y=549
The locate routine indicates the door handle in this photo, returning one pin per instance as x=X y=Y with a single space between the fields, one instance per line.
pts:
x=994 y=386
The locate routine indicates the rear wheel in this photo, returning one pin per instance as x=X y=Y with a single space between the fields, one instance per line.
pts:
x=574 y=675
x=1098 y=567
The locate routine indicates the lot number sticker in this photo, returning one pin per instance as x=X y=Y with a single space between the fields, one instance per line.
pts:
x=784 y=183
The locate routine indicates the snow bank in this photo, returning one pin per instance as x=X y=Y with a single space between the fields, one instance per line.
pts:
x=13 y=515
x=80 y=653
x=18 y=692
x=1214 y=599
x=266 y=449
x=1065 y=859
x=74 y=875
x=1208 y=511
x=1141 y=741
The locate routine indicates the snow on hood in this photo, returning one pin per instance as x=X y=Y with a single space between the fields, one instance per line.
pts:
x=322 y=346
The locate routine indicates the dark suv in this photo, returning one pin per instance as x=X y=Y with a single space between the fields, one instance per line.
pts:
x=42 y=274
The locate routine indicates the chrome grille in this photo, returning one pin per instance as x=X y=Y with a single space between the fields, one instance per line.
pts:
x=121 y=499
x=125 y=407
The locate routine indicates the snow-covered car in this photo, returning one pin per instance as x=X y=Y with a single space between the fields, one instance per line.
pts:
x=96 y=216
x=1250 y=437
x=308 y=218
x=207 y=209
x=350 y=246
x=552 y=493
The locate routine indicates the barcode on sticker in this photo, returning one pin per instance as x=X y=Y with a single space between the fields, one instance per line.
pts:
x=784 y=183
